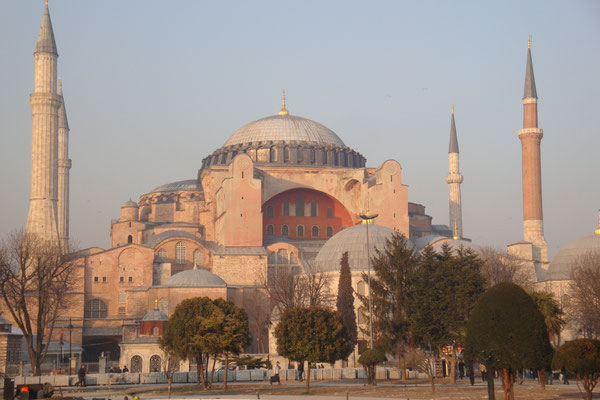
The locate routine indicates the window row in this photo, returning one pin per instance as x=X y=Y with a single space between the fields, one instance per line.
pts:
x=299 y=209
x=315 y=231
x=121 y=279
x=163 y=255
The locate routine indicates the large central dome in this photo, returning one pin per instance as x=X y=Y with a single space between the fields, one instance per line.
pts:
x=284 y=127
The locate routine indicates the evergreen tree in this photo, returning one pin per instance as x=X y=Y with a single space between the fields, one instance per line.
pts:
x=311 y=334
x=345 y=303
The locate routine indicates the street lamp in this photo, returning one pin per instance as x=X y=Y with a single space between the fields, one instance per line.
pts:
x=367 y=219
x=70 y=341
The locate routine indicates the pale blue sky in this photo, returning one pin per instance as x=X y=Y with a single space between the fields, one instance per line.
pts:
x=153 y=87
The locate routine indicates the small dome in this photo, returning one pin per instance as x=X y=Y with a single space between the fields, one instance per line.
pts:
x=195 y=278
x=354 y=241
x=130 y=204
x=284 y=127
x=563 y=263
x=155 y=315
x=187 y=185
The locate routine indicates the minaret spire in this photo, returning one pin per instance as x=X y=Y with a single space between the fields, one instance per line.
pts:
x=531 y=137
x=64 y=168
x=454 y=179
x=45 y=102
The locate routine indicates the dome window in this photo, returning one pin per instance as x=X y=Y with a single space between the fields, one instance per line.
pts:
x=272 y=155
x=286 y=154
x=299 y=155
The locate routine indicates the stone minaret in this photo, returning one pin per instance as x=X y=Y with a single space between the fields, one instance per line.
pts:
x=531 y=137
x=454 y=179
x=42 y=218
x=64 y=167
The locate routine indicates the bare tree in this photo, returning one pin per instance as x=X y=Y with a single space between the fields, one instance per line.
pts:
x=170 y=365
x=34 y=280
x=259 y=316
x=583 y=301
x=499 y=266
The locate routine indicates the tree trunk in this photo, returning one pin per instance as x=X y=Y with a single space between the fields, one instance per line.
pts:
x=453 y=368
x=490 y=382
x=588 y=386
x=507 y=376
x=471 y=372
x=542 y=378
x=432 y=383
x=226 y=370
x=200 y=372
x=307 y=377
x=170 y=381
x=212 y=372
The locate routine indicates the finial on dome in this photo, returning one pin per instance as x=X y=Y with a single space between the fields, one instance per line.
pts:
x=597 y=231
x=456 y=237
x=283 y=110
x=156 y=304
x=529 y=42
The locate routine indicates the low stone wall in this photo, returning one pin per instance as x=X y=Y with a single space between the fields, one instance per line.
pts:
x=256 y=375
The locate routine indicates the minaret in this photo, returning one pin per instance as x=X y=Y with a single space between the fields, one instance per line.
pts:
x=454 y=179
x=42 y=218
x=531 y=137
x=64 y=168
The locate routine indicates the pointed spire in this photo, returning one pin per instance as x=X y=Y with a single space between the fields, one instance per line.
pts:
x=45 y=42
x=63 y=123
x=530 y=91
x=283 y=110
x=453 y=148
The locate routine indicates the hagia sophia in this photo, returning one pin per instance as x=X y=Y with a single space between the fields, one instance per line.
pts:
x=282 y=193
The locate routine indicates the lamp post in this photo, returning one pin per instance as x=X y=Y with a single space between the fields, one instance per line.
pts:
x=367 y=218
x=70 y=349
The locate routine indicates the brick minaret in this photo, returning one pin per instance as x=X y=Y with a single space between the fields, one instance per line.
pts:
x=531 y=137
x=64 y=168
x=454 y=179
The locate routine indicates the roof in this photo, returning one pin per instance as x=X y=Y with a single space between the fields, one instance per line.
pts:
x=284 y=127
x=45 y=42
x=195 y=278
x=155 y=315
x=354 y=241
x=562 y=265
x=187 y=185
x=530 y=91
x=130 y=204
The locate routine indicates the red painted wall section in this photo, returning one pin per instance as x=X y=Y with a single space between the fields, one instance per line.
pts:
x=146 y=328
x=340 y=217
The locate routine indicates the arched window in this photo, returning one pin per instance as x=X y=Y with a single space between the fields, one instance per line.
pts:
x=285 y=230
x=272 y=258
x=299 y=156
x=180 y=253
x=286 y=208
x=312 y=156
x=336 y=158
x=162 y=255
x=270 y=211
x=155 y=331
x=286 y=154
x=272 y=154
x=315 y=231
x=299 y=206
x=270 y=230
x=314 y=210
x=329 y=231
x=198 y=258
x=155 y=363
x=136 y=364
x=95 y=308
x=129 y=239
x=300 y=231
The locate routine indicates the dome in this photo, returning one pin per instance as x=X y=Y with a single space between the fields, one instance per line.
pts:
x=188 y=185
x=195 y=278
x=354 y=241
x=284 y=127
x=424 y=241
x=155 y=315
x=130 y=204
x=562 y=264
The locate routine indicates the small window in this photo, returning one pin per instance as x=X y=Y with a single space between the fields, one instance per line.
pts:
x=104 y=279
x=315 y=231
x=286 y=208
x=300 y=231
x=270 y=230
x=180 y=253
x=329 y=212
x=96 y=279
x=285 y=230
x=131 y=279
x=272 y=154
x=270 y=211
x=129 y=239
x=122 y=279
x=313 y=209
x=329 y=231
x=179 y=206
x=121 y=310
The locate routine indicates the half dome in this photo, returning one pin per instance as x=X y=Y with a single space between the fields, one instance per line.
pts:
x=286 y=128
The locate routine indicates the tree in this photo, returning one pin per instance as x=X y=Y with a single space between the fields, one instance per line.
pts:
x=170 y=365
x=234 y=332
x=35 y=282
x=288 y=289
x=369 y=359
x=345 y=302
x=444 y=290
x=192 y=331
x=583 y=302
x=582 y=358
x=507 y=331
x=311 y=334
x=499 y=266
x=548 y=306
x=394 y=267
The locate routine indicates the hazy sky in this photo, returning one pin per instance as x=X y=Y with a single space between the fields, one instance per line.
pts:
x=153 y=87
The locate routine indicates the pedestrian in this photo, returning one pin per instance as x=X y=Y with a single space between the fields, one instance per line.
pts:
x=461 y=369
x=275 y=377
x=125 y=369
x=483 y=370
x=301 y=371
x=81 y=376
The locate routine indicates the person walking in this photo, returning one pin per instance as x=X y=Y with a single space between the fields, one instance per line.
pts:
x=276 y=370
x=483 y=370
x=301 y=371
x=81 y=376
